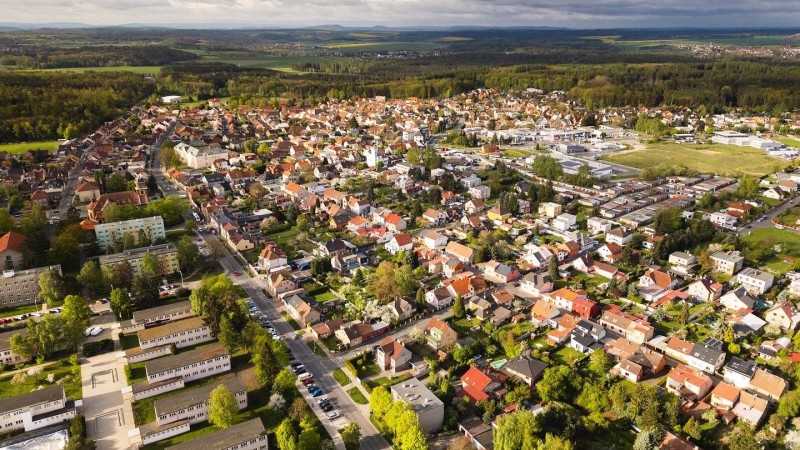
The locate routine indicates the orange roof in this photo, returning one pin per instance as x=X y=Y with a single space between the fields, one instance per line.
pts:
x=12 y=241
x=566 y=294
x=402 y=239
x=474 y=382
x=726 y=391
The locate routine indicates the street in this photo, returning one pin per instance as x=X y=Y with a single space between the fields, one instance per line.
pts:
x=320 y=368
x=768 y=216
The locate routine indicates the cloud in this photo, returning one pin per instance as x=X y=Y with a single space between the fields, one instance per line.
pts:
x=267 y=13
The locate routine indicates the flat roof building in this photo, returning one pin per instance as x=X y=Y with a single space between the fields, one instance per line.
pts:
x=110 y=233
x=21 y=287
x=166 y=254
x=249 y=435
x=429 y=409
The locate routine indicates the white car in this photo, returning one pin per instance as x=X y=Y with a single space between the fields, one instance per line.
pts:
x=96 y=331
x=332 y=415
x=88 y=331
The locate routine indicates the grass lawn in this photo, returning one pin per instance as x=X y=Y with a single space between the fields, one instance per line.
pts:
x=62 y=373
x=175 y=235
x=386 y=381
x=25 y=146
x=464 y=327
x=128 y=341
x=778 y=265
x=341 y=377
x=291 y=321
x=137 y=373
x=284 y=237
x=357 y=396
x=331 y=342
x=25 y=309
x=314 y=347
x=422 y=350
x=325 y=297
x=211 y=268
x=787 y=239
x=788 y=141
x=705 y=158
x=516 y=153
x=567 y=356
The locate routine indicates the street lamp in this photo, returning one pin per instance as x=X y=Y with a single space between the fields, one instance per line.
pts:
x=179 y=271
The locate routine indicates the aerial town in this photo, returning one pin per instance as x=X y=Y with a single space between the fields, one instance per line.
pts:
x=412 y=273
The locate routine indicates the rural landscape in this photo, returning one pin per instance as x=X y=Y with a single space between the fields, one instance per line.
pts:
x=411 y=236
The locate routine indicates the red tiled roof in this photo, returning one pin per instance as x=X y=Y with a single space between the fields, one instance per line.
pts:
x=12 y=241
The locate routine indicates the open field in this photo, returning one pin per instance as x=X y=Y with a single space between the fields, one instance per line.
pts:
x=25 y=309
x=705 y=158
x=788 y=141
x=144 y=70
x=388 y=46
x=25 y=146
x=254 y=60
x=768 y=236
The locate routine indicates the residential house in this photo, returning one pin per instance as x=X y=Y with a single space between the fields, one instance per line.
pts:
x=585 y=335
x=432 y=239
x=641 y=363
x=737 y=299
x=439 y=335
x=480 y=308
x=543 y=314
x=439 y=297
x=300 y=310
x=36 y=409
x=7 y=357
x=682 y=262
x=724 y=396
x=585 y=308
x=537 y=257
x=739 y=372
x=660 y=277
x=524 y=368
x=498 y=214
x=479 y=386
x=598 y=225
x=474 y=206
x=785 y=315
x=279 y=283
x=750 y=408
x=392 y=355
x=272 y=259
x=705 y=290
x=634 y=328
x=435 y=217
x=610 y=252
x=727 y=262
x=87 y=191
x=768 y=385
x=755 y=281
x=549 y=209
x=401 y=309
x=688 y=383
x=463 y=253
x=399 y=242
x=181 y=333
x=11 y=246
x=536 y=283
x=501 y=272
x=619 y=236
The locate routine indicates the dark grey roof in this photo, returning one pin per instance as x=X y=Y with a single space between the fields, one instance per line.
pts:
x=172 y=308
x=183 y=359
x=200 y=395
x=747 y=368
x=716 y=344
x=581 y=338
x=5 y=338
x=45 y=395
x=527 y=366
x=706 y=354
x=224 y=439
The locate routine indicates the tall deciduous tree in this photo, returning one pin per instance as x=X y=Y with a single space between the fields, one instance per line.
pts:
x=91 y=277
x=120 y=303
x=222 y=407
x=51 y=285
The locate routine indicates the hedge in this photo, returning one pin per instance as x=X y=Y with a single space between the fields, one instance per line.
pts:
x=98 y=347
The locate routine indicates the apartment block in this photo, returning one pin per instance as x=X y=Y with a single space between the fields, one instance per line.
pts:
x=249 y=435
x=109 y=233
x=36 y=409
x=191 y=365
x=21 y=287
x=166 y=254
x=155 y=316
x=182 y=333
x=429 y=409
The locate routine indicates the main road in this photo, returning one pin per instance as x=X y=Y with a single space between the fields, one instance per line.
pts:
x=768 y=216
x=321 y=368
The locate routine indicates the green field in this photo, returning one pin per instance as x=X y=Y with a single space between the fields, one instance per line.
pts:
x=248 y=59
x=388 y=46
x=25 y=146
x=144 y=70
x=357 y=396
x=787 y=239
x=788 y=141
x=62 y=374
x=704 y=158
x=25 y=309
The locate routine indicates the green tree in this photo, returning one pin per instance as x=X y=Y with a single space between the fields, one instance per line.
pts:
x=789 y=404
x=188 y=254
x=144 y=292
x=459 y=312
x=51 y=285
x=380 y=400
x=116 y=183
x=599 y=364
x=228 y=336
x=351 y=435
x=648 y=440
x=309 y=440
x=120 y=303
x=553 y=442
x=420 y=298
x=517 y=431
x=548 y=167
x=6 y=221
x=552 y=268
x=222 y=407
x=557 y=384
x=285 y=435
x=151 y=267
x=263 y=358
x=284 y=382
x=65 y=251
x=692 y=429
x=91 y=277
x=129 y=241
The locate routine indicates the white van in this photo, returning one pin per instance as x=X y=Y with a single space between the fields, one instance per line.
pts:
x=305 y=376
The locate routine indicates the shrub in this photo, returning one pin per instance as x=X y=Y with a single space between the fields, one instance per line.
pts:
x=128 y=372
x=98 y=347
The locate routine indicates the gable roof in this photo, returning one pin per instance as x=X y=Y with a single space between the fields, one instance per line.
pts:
x=12 y=241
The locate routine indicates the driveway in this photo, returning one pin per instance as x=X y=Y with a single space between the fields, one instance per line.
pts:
x=109 y=417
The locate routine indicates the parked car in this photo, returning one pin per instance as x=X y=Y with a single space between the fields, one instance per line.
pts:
x=317 y=393
x=305 y=376
x=308 y=381
x=322 y=400
x=326 y=407
x=332 y=415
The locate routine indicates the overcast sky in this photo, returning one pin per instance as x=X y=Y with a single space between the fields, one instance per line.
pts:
x=285 y=13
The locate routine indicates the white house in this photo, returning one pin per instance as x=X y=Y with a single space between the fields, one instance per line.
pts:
x=723 y=220
x=399 y=242
x=755 y=281
x=565 y=222
x=481 y=192
x=727 y=262
x=619 y=236
x=598 y=225
x=432 y=239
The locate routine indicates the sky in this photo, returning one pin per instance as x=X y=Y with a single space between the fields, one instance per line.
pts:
x=300 y=13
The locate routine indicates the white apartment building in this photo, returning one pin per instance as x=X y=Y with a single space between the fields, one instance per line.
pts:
x=182 y=333
x=249 y=435
x=192 y=404
x=200 y=157
x=35 y=410
x=7 y=357
x=755 y=282
x=727 y=262
x=428 y=407
x=166 y=254
x=108 y=233
x=158 y=315
x=21 y=287
x=194 y=364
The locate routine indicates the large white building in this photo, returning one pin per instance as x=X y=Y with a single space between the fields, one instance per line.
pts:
x=158 y=315
x=109 y=233
x=201 y=156
x=182 y=333
x=755 y=282
x=429 y=409
x=21 y=287
x=166 y=254
x=36 y=409
x=249 y=435
x=202 y=362
x=743 y=140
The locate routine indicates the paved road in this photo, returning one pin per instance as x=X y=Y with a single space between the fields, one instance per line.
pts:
x=771 y=214
x=321 y=368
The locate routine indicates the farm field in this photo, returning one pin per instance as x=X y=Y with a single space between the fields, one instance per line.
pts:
x=706 y=158
x=254 y=60
x=25 y=146
x=143 y=70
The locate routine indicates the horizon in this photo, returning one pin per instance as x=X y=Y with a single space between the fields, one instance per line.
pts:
x=444 y=14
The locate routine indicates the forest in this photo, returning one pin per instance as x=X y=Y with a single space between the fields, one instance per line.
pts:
x=200 y=64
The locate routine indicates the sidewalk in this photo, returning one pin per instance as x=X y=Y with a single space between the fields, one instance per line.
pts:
x=109 y=417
